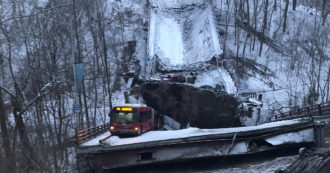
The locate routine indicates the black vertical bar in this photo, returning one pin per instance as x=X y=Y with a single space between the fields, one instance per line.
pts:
x=76 y=137
x=320 y=109
x=309 y=111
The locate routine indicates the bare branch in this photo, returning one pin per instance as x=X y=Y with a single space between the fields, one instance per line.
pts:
x=35 y=14
x=48 y=85
x=39 y=96
x=7 y=91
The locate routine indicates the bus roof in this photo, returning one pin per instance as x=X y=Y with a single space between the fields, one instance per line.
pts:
x=132 y=105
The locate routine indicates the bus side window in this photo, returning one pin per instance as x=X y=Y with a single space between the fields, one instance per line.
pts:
x=148 y=115
x=141 y=117
x=145 y=117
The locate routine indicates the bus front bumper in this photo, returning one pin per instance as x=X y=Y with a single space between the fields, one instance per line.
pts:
x=124 y=132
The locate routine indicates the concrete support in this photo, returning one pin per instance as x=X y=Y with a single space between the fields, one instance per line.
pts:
x=319 y=135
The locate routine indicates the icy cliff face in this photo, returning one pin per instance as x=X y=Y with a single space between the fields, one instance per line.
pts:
x=182 y=36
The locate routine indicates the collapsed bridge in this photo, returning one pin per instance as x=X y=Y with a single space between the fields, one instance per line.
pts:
x=175 y=43
x=301 y=128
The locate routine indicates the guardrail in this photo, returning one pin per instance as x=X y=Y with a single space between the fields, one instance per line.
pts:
x=87 y=134
x=318 y=110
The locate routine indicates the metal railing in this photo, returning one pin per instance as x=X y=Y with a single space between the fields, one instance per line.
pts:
x=253 y=95
x=87 y=134
x=318 y=110
x=248 y=94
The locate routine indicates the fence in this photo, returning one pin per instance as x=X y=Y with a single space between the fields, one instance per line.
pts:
x=87 y=134
x=318 y=110
x=253 y=95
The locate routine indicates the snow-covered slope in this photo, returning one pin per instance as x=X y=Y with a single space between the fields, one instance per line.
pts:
x=165 y=39
x=216 y=77
x=182 y=36
x=298 y=59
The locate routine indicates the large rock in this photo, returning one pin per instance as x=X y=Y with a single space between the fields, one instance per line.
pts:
x=199 y=107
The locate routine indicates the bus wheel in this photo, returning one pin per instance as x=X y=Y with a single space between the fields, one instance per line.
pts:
x=141 y=130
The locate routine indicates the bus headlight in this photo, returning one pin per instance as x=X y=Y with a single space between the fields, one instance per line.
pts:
x=112 y=127
x=136 y=128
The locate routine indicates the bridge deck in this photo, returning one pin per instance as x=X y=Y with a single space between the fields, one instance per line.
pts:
x=159 y=138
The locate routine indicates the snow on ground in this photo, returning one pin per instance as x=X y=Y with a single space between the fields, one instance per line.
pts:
x=268 y=166
x=184 y=133
x=168 y=42
x=212 y=78
x=182 y=37
x=95 y=141
x=239 y=148
x=297 y=137
x=255 y=84
x=200 y=35
x=118 y=98
x=227 y=81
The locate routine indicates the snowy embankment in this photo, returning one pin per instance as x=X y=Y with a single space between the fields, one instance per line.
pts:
x=178 y=38
x=219 y=76
x=185 y=133
x=182 y=37
x=291 y=83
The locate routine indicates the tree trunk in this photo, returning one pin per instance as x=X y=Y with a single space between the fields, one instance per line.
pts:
x=27 y=150
x=245 y=42
x=85 y=103
x=328 y=87
x=95 y=61
x=105 y=53
x=255 y=5
x=325 y=10
x=248 y=23
x=294 y=5
x=285 y=14
x=10 y=163
x=226 y=32
x=264 y=27
x=9 y=155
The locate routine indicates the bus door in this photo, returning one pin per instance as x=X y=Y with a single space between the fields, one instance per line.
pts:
x=142 y=119
x=153 y=119
x=149 y=119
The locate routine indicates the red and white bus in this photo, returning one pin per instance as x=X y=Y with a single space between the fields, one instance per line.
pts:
x=133 y=119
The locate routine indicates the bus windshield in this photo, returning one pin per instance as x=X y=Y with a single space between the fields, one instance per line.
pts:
x=124 y=117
